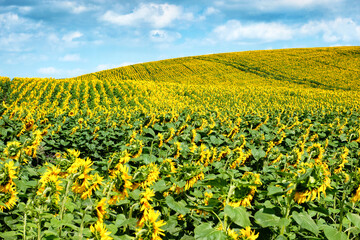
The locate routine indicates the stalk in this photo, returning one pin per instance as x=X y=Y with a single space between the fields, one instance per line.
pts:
x=63 y=203
x=289 y=200
x=24 y=229
x=39 y=228
x=230 y=193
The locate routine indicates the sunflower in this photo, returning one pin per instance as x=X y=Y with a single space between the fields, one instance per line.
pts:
x=317 y=150
x=101 y=209
x=8 y=198
x=12 y=150
x=99 y=231
x=96 y=182
x=151 y=229
x=356 y=181
x=50 y=178
x=315 y=183
x=161 y=139
x=244 y=193
x=121 y=182
x=81 y=169
x=342 y=161
x=8 y=173
x=178 y=149
x=167 y=166
x=147 y=175
x=247 y=234
x=144 y=201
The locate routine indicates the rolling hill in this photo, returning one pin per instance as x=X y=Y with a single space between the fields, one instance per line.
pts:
x=243 y=145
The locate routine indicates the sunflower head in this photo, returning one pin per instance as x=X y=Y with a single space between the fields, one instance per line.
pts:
x=99 y=231
x=7 y=175
x=8 y=199
x=245 y=190
x=13 y=150
x=151 y=228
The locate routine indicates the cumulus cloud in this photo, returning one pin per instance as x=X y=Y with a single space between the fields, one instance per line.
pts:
x=71 y=36
x=157 y=15
x=234 y=30
x=266 y=5
x=159 y=35
x=60 y=73
x=70 y=58
x=73 y=7
x=340 y=29
x=48 y=71
x=12 y=22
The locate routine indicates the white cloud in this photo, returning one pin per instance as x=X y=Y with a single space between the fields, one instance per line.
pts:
x=73 y=7
x=71 y=36
x=49 y=71
x=211 y=11
x=267 y=5
x=70 y=58
x=12 y=22
x=340 y=29
x=234 y=30
x=157 y=15
x=159 y=35
x=60 y=73
x=15 y=42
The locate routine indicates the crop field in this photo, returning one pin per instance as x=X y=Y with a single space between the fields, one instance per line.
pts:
x=246 y=145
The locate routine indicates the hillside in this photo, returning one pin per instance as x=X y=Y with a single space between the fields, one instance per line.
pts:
x=246 y=145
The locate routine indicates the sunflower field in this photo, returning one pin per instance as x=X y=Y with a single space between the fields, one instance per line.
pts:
x=247 y=145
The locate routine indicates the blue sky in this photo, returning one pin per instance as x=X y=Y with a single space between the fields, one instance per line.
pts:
x=51 y=38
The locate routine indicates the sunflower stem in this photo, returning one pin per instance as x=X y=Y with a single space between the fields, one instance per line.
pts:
x=230 y=193
x=287 y=211
x=342 y=209
x=63 y=203
x=82 y=225
x=110 y=189
x=39 y=228
x=24 y=229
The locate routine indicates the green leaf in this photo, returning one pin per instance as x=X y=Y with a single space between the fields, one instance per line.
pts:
x=273 y=190
x=354 y=218
x=206 y=232
x=333 y=234
x=258 y=153
x=120 y=219
x=179 y=207
x=8 y=235
x=265 y=219
x=306 y=222
x=238 y=215
x=160 y=186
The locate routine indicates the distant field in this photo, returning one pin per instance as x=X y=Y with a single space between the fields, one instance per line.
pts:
x=245 y=145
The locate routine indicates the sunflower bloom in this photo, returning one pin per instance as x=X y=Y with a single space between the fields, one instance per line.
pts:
x=247 y=234
x=99 y=231
x=101 y=209
x=151 y=228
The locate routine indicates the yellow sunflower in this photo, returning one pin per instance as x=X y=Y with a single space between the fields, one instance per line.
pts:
x=12 y=150
x=96 y=182
x=244 y=193
x=101 y=209
x=8 y=171
x=8 y=198
x=81 y=169
x=313 y=185
x=122 y=184
x=151 y=228
x=99 y=231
